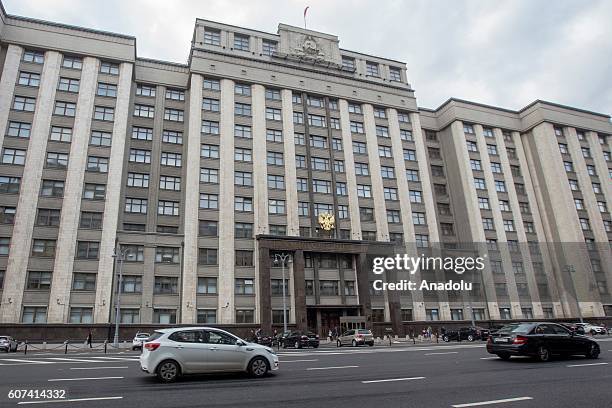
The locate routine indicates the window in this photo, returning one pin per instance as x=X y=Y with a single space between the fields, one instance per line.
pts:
x=43 y=248
x=487 y=224
x=175 y=94
x=94 y=191
x=500 y=186
x=395 y=74
x=418 y=218
x=321 y=186
x=390 y=194
x=19 y=129
x=171 y=159
x=504 y=205
x=52 y=188
x=300 y=161
x=339 y=166
x=13 y=156
x=298 y=118
x=341 y=189
x=29 y=79
x=586 y=152
x=387 y=172
x=104 y=113
x=487 y=132
x=472 y=146
x=102 y=139
x=393 y=216
x=329 y=288
x=242 y=89
x=109 y=68
x=207 y=256
x=320 y=208
x=364 y=191
x=372 y=69
x=89 y=220
x=138 y=180
x=136 y=205
x=268 y=47
x=88 y=250
x=591 y=170
x=245 y=316
x=35 y=57
x=243 y=258
x=207 y=285
x=209 y=175
x=243 y=230
x=299 y=139
x=348 y=63
x=416 y=196
x=509 y=226
x=209 y=104
x=172 y=136
x=7 y=215
x=242 y=109
x=409 y=155
x=496 y=167
x=85 y=282
x=5 y=244
x=241 y=42
x=173 y=115
x=242 y=154
x=275 y=158
x=34 y=314
x=21 y=103
x=432 y=314
x=343 y=212
x=444 y=209
x=314 y=101
x=276 y=206
x=579 y=203
x=68 y=85
x=483 y=203
x=97 y=164
x=385 y=151
x=242 y=131
x=275 y=114
x=170 y=183
x=569 y=167
x=437 y=171
x=145 y=90
x=356 y=127
x=334 y=123
x=244 y=286
x=276 y=182
x=167 y=255
x=57 y=160
x=61 y=134
x=142 y=133
x=468 y=129
x=243 y=204
x=602 y=207
x=319 y=163
x=360 y=148
x=303 y=209
x=212 y=37
x=475 y=164
x=72 y=62
x=242 y=178
x=403 y=117
x=211 y=84
x=274 y=135
x=316 y=120
x=406 y=135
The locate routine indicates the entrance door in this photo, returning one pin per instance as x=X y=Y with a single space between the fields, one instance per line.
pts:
x=330 y=320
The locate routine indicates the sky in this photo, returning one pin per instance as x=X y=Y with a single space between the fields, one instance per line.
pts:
x=503 y=53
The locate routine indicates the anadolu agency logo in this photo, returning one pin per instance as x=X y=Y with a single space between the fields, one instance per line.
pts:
x=412 y=264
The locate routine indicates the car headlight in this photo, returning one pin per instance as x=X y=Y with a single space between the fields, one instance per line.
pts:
x=269 y=350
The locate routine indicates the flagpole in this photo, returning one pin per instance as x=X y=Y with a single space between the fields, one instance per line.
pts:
x=305 y=11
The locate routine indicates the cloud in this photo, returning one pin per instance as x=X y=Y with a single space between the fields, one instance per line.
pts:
x=500 y=53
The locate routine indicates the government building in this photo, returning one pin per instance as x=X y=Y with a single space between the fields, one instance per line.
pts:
x=184 y=192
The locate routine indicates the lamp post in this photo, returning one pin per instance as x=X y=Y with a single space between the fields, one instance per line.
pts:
x=571 y=269
x=282 y=258
x=119 y=256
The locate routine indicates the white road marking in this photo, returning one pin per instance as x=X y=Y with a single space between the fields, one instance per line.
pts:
x=27 y=361
x=500 y=401
x=489 y=358
x=73 y=360
x=586 y=365
x=69 y=400
x=85 y=379
x=119 y=358
x=393 y=379
x=97 y=368
x=297 y=361
x=331 y=368
x=437 y=354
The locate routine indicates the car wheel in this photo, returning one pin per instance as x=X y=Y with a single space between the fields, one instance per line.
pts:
x=504 y=356
x=168 y=371
x=315 y=346
x=445 y=338
x=258 y=367
x=354 y=343
x=543 y=354
x=338 y=343
x=297 y=345
x=371 y=344
x=470 y=338
x=593 y=351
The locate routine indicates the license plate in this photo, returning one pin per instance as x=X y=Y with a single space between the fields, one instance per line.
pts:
x=500 y=340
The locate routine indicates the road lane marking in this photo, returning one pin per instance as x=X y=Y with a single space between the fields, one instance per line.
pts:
x=27 y=361
x=586 y=365
x=85 y=379
x=500 y=401
x=331 y=368
x=69 y=400
x=392 y=380
x=446 y=352
x=489 y=358
x=119 y=358
x=297 y=361
x=97 y=368
x=73 y=360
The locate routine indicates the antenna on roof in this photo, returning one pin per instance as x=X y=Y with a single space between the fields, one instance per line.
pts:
x=305 y=11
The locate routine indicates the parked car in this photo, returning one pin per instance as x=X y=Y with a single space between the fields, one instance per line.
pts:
x=591 y=328
x=139 y=340
x=171 y=353
x=262 y=339
x=466 y=333
x=355 y=337
x=8 y=344
x=299 y=339
x=540 y=340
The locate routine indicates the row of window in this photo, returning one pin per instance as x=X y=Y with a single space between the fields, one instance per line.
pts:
x=69 y=61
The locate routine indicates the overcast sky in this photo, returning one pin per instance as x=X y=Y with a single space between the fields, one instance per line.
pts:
x=504 y=53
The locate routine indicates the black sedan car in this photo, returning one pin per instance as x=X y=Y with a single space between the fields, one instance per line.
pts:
x=299 y=339
x=466 y=333
x=540 y=340
x=262 y=338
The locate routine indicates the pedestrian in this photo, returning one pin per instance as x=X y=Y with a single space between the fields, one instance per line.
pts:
x=329 y=334
x=89 y=339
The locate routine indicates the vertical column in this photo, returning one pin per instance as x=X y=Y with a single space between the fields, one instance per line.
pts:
x=71 y=206
x=349 y=168
x=518 y=223
x=192 y=201
x=299 y=289
x=260 y=175
x=293 y=222
x=498 y=221
x=21 y=240
x=265 y=302
x=473 y=212
x=104 y=283
x=226 y=200
x=380 y=208
x=7 y=84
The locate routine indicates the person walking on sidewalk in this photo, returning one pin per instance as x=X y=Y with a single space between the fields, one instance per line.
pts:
x=89 y=339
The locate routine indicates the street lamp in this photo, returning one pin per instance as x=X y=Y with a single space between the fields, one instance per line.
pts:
x=571 y=269
x=282 y=258
x=119 y=256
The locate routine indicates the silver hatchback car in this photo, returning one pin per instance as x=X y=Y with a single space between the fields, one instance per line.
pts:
x=170 y=353
x=355 y=337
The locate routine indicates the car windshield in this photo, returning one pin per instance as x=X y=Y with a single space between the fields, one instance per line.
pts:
x=155 y=336
x=143 y=335
x=522 y=328
x=362 y=331
x=3 y=338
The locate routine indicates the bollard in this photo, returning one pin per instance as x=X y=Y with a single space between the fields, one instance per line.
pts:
x=44 y=345
x=25 y=349
x=105 y=344
x=66 y=347
x=413 y=340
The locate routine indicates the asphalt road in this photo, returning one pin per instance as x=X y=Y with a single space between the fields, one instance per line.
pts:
x=453 y=375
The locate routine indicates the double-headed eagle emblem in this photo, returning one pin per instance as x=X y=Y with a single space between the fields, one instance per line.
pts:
x=327 y=221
